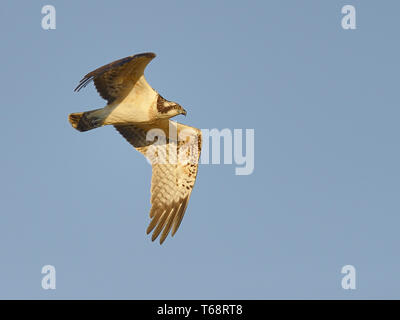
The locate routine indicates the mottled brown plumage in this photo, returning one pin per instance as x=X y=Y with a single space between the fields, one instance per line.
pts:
x=115 y=79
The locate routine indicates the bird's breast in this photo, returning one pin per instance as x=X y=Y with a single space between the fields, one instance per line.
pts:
x=135 y=108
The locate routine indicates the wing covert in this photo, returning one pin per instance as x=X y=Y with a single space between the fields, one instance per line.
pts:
x=116 y=79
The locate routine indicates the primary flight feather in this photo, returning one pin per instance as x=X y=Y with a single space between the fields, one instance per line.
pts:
x=136 y=110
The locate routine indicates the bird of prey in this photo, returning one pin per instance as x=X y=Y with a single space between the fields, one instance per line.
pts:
x=136 y=110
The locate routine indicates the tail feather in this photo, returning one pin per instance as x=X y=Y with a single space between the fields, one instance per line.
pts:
x=84 y=121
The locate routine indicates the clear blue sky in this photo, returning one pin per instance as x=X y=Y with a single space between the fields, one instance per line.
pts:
x=324 y=105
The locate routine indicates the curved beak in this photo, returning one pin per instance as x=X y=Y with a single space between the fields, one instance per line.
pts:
x=184 y=112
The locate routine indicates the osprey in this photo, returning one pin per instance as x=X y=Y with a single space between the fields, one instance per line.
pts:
x=136 y=110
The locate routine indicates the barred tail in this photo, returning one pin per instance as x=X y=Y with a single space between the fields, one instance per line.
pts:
x=84 y=121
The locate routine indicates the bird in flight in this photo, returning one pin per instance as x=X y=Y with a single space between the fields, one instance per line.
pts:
x=142 y=117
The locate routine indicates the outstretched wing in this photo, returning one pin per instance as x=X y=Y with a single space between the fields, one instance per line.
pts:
x=116 y=79
x=174 y=170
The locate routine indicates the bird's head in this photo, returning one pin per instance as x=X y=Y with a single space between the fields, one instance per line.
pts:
x=169 y=109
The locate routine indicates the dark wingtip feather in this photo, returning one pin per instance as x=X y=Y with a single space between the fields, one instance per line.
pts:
x=100 y=71
x=83 y=83
x=151 y=55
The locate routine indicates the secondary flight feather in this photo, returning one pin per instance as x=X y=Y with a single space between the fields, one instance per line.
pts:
x=137 y=111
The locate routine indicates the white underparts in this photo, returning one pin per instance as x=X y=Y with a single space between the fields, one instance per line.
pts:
x=139 y=106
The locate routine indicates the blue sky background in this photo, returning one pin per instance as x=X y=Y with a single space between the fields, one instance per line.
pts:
x=325 y=191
